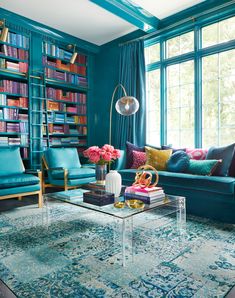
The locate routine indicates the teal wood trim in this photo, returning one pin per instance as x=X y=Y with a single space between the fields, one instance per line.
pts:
x=196 y=9
x=13 y=75
x=197 y=91
x=181 y=28
x=13 y=107
x=13 y=133
x=64 y=85
x=13 y=94
x=12 y=120
x=70 y=145
x=43 y=30
x=130 y=12
x=13 y=45
x=12 y=58
x=163 y=95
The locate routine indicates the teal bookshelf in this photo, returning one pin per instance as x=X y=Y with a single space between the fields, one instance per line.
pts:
x=66 y=91
x=14 y=101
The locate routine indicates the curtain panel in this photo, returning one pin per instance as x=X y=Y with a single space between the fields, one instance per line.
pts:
x=132 y=77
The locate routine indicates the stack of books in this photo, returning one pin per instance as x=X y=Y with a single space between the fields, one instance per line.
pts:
x=148 y=195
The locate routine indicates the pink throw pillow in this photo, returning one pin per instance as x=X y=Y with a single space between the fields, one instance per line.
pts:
x=197 y=154
x=139 y=159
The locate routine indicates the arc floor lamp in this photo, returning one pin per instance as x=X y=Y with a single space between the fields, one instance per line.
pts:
x=126 y=106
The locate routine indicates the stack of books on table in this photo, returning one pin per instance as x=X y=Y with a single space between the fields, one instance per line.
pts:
x=148 y=195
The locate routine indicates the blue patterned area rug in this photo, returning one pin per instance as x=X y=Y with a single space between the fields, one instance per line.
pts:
x=71 y=253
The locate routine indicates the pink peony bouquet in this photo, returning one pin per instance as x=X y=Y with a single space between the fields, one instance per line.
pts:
x=102 y=155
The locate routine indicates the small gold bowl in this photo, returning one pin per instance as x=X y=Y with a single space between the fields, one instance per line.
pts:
x=135 y=204
x=119 y=205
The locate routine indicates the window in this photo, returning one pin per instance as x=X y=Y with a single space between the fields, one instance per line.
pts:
x=153 y=107
x=194 y=105
x=152 y=53
x=219 y=32
x=180 y=44
x=218 y=99
x=180 y=104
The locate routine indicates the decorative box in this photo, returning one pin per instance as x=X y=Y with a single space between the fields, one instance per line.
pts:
x=98 y=197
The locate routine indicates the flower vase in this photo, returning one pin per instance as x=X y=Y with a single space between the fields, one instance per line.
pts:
x=113 y=183
x=100 y=173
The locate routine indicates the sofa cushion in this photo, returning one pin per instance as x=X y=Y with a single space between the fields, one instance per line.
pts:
x=178 y=162
x=129 y=155
x=224 y=153
x=10 y=161
x=18 y=180
x=157 y=158
x=74 y=173
x=223 y=185
x=62 y=157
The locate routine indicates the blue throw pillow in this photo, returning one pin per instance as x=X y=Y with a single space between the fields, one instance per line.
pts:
x=223 y=153
x=178 y=162
x=203 y=167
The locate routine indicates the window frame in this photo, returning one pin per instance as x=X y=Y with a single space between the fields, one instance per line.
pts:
x=197 y=55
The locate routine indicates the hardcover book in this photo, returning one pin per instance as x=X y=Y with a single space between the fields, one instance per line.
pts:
x=98 y=197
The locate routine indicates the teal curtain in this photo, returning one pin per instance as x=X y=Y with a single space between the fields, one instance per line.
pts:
x=132 y=77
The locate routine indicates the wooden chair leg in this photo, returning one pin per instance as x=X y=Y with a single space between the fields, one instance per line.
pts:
x=40 y=200
x=40 y=196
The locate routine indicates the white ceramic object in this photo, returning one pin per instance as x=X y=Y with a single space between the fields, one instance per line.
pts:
x=113 y=183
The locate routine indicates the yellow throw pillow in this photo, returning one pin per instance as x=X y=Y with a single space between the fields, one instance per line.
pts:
x=157 y=158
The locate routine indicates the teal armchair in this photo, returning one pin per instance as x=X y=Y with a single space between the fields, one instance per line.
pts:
x=63 y=169
x=15 y=181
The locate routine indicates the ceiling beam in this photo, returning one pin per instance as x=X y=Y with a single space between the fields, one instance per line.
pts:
x=131 y=12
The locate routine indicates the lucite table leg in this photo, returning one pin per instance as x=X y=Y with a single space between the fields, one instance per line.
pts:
x=181 y=216
x=127 y=241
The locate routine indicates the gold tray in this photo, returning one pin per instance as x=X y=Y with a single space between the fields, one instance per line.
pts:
x=135 y=204
x=119 y=205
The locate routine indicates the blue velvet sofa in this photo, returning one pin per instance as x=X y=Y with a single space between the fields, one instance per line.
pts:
x=207 y=196
x=15 y=181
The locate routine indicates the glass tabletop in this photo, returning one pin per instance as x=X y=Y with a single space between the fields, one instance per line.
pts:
x=168 y=205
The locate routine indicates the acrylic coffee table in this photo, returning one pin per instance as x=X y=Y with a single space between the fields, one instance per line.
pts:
x=123 y=218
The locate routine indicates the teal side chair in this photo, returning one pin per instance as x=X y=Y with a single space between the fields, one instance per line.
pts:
x=15 y=181
x=64 y=169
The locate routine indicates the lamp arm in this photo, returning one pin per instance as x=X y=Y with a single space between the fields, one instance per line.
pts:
x=111 y=108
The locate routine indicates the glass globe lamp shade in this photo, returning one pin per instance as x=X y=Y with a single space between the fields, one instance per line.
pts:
x=127 y=105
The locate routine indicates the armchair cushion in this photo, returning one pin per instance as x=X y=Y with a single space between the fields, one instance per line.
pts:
x=62 y=157
x=74 y=173
x=10 y=161
x=18 y=180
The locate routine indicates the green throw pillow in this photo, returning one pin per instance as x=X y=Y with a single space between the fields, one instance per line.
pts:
x=202 y=167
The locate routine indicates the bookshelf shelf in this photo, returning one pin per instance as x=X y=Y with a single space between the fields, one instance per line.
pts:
x=14 y=107
x=13 y=45
x=65 y=85
x=13 y=74
x=13 y=94
x=12 y=58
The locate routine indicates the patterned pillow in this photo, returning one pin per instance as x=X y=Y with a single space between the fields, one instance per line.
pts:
x=129 y=153
x=203 y=167
x=197 y=154
x=139 y=159
x=157 y=158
